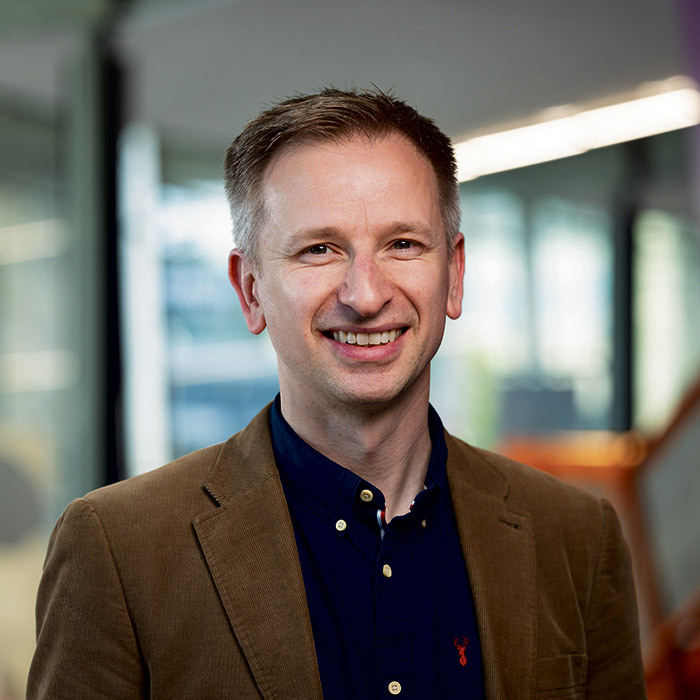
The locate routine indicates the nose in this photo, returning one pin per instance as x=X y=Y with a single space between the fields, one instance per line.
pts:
x=366 y=287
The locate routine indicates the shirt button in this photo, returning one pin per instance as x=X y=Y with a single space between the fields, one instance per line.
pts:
x=386 y=570
x=340 y=525
x=366 y=495
x=423 y=523
x=394 y=687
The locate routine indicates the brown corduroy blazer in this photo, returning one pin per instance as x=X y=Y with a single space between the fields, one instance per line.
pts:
x=185 y=583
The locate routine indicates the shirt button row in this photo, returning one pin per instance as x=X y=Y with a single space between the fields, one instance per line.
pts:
x=394 y=687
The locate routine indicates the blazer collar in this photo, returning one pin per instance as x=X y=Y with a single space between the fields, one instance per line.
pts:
x=499 y=552
x=248 y=542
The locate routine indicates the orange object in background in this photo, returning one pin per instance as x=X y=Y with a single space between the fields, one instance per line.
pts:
x=653 y=484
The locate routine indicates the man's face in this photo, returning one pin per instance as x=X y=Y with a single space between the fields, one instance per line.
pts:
x=354 y=277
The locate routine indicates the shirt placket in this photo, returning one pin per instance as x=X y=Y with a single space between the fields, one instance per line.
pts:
x=393 y=617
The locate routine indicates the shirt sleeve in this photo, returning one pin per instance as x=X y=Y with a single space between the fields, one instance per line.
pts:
x=86 y=645
x=612 y=628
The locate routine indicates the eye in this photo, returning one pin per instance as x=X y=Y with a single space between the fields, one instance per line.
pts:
x=319 y=249
x=318 y=254
x=406 y=248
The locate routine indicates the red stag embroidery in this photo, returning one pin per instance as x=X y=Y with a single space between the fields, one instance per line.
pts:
x=461 y=644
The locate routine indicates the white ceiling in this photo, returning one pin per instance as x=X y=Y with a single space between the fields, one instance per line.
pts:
x=201 y=69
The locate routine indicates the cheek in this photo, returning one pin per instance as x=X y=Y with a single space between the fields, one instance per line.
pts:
x=313 y=291
x=292 y=303
x=426 y=288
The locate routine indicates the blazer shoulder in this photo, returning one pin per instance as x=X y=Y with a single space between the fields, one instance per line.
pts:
x=217 y=472
x=171 y=481
x=174 y=494
x=525 y=488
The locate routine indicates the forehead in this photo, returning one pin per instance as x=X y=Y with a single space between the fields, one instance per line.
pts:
x=376 y=178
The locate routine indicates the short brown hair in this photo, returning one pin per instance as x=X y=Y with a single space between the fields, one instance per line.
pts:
x=330 y=115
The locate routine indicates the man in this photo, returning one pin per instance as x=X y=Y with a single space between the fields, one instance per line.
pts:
x=342 y=544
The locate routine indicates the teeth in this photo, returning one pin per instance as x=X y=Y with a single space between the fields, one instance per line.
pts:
x=366 y=338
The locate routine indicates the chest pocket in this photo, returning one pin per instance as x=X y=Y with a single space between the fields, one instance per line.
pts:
x=561 y=677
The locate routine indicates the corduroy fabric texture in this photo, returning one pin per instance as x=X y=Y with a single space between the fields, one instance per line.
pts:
x=185 y=583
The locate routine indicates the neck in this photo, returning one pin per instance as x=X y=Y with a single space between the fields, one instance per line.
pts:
x=389 y=446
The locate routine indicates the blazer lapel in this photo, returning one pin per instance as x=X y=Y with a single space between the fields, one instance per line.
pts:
x=499 y=551
x=248 y=542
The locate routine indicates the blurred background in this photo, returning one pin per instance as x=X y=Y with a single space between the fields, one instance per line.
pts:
x=121 y=343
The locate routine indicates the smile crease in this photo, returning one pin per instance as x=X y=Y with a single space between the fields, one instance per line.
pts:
x=367 y=338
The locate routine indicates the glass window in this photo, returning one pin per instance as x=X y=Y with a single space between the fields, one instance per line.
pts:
x=667 y=316
x=572 y=280
x=490 y=340
x=220 y=374
x=532 y=350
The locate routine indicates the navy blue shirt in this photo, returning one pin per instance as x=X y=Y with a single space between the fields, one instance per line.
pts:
x=391 y=608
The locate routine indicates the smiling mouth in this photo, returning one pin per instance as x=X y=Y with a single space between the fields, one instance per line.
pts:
x=350 y=338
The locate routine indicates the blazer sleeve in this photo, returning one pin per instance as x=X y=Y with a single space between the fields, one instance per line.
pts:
x=86 y=646
x=612 y=628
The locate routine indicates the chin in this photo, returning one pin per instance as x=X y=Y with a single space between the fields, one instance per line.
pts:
x=374 y=394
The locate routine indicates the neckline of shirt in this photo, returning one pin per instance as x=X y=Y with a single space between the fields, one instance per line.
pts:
x=334 y=491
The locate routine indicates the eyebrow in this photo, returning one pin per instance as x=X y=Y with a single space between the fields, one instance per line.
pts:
x=395 y=228
x=410 y=227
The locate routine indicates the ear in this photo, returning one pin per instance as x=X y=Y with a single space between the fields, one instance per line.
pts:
x=242 y=276
x=456 y=276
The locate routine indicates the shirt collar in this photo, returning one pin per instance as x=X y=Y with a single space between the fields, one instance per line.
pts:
x=331 y=488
